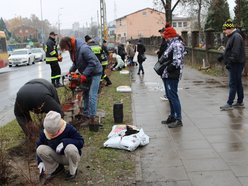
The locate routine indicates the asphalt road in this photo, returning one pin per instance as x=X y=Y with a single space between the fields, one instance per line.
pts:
x=13 y=78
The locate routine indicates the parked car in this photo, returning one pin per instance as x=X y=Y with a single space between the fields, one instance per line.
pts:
x=39 y=54
x=21 y=57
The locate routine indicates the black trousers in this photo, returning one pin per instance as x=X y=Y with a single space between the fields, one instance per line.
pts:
x=55 y=71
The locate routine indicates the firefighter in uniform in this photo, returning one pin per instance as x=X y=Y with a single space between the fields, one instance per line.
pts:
x=53 y=58
x=101 y=55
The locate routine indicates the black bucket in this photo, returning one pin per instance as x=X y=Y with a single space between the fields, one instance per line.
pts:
x=118 y=112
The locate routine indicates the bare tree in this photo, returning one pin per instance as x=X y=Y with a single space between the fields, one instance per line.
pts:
x=195 y=6
x=167 y=8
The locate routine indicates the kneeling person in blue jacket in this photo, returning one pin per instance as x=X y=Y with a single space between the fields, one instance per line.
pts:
x=59 y=144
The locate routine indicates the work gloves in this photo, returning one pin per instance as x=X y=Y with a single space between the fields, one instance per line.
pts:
x=59 y=148
x=60 y=58
x=41 y=167
x=83 y=78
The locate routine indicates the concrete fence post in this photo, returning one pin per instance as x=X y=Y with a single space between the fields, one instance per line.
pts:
x=209 y=34
x=194 y=43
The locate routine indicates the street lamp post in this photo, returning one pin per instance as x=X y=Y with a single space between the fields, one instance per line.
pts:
x=59 y=14
x=42 y=25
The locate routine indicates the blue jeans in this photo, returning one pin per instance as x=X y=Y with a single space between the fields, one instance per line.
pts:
x=235 y=83
x=171 y=87
x=90 y=97
x=141 y=68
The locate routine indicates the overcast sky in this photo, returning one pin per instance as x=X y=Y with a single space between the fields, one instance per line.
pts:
x=70 y=11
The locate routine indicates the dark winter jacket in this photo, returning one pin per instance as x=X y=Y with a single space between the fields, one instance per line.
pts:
x=235 y=50
x=98 y=51
x=51 y=51
x=69 y=136
x=86 y=61
x=162 y=48
x=37 y=95
x=141 y=49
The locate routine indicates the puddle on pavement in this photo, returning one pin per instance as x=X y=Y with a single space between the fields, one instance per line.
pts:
x=154 y=86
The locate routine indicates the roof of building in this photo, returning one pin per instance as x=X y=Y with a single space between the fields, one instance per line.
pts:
x=140 y=11
x=174 y=18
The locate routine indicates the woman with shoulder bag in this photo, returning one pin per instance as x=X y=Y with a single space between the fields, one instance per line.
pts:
x=172 y=74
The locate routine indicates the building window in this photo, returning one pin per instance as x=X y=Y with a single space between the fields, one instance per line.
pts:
x=144 y=13
x=174 y=24
x=185 y=24
x=180 y=24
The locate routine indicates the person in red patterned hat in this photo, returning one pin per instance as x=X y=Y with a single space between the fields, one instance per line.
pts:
x=172 y=74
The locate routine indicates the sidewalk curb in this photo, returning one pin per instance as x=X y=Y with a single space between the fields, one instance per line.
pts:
x=138 y=170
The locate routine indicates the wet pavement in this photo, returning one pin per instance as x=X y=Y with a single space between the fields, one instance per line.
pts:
x=211 y=149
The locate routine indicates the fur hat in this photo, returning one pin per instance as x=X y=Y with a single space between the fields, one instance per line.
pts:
x=228 y=25
x=53 y=124
x=170 y=32
x=87 y=38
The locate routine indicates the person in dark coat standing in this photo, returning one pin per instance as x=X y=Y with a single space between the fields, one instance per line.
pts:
x=234 y=59
x=141 y=49
x=90 y=68
x=160 y=51
x=59 y=144
x=38 y=96
x=53 y=58
x=101 y=55
x=121 y=51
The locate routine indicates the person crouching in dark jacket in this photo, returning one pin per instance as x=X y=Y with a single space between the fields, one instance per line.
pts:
x=59 y=144
x=37 y=96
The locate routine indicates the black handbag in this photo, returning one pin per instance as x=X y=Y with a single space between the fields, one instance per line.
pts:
x=142 y=57
x=159 y=67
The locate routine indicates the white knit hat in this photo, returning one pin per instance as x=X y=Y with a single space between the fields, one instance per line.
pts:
x=52 y=122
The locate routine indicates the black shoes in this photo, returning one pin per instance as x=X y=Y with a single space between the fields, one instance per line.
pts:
x=58 y=171
x=175 y=124
x=69 y=176
x=238 y=105
x=169 y=120
x=108 y=83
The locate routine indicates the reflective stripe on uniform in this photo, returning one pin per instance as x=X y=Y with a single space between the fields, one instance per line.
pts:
x=104 y=63
x=51 y=59
x=104 y=76
x=96 y=49
x=52 y=53
x=55 y=77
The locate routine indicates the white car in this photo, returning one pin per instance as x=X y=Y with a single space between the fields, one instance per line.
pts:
x=21 y=57
x=39 y=54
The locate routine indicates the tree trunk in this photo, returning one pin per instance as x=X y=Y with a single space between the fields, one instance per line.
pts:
x=168 y=12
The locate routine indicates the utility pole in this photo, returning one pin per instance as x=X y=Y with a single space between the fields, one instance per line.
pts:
x=59 y=14
x=103 y=20
x=42 y=25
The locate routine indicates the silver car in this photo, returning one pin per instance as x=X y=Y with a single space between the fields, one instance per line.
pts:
x=21 y=57
x=39 y=54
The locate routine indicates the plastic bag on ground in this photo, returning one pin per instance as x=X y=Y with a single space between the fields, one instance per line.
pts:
x=117 y=138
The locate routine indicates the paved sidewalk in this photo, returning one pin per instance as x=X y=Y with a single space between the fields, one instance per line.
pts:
x=211 y=149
